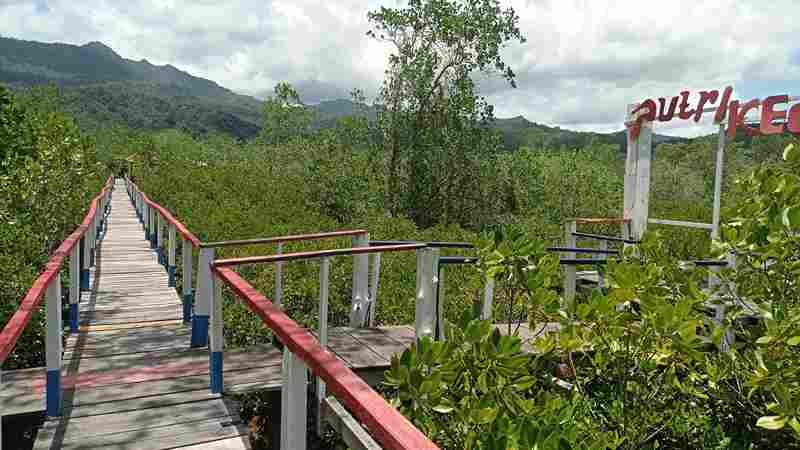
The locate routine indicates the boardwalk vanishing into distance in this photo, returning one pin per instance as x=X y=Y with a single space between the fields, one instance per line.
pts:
x=129 y=377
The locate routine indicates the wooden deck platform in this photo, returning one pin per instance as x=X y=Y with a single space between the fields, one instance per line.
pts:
x=130 y=379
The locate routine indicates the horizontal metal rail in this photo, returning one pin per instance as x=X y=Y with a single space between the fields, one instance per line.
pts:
x=601 y=251
x=682 y=223
x=389 y=428
x=316 y=254
x=602 y=237
x=432 y=244
x=283 y=239
x=601 y=220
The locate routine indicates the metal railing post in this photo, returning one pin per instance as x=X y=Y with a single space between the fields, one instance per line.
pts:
x=91 y=234
x=171 y=255
x=74 y=288
x=324 y=271
x=360 y=304
x=53 y=344
x=217 y=340
x=160 y=238
x=425 y=308
x=146 y=221
x=186 y=254
x=85 y=281
x=153 y=229
x=440 y=298
x=293 y=402
x=202 y=308
x=488 y=300
x=373 y=289
x=570 y=271
x=278 y=295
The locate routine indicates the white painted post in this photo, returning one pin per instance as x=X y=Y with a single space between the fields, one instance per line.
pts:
x=570 y=270
x=204 y=294
x=440 y=298
x=642 y=202
x=360 y=300
x=293 y=402
x=718 y=181
x=427 y=280
x=631 y=163
x=217 y=342
x=74 y=287
x=373 y=288
x=324 y=271
x=91 y=233
x=160 y=238
x=146 y=221
x=488 y=299
x=278 y=296
x=87 y=250
x=171 y=255
x=53 y=348
x=186 y=254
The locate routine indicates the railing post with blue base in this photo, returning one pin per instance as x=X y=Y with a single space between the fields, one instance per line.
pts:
x=90 y=234
x=188 y=296
x=204 y=294
x=74 y=288
x=217 y=340
x=171 y=255
x=85 y=282
x=294 y=399
x=53 y=344
x=146 y=221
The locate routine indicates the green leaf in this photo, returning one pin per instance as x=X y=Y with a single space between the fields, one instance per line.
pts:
x=791 y=217
x=764 y=340
x=443 y=409
x=793 y=341
x=791 y=153
x=771 y=422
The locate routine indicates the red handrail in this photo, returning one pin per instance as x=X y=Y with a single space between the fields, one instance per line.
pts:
x=179 y=227
x=390 y=428
x=16 y=325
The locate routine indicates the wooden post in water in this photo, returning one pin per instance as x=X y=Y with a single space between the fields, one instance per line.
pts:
x=360 y=301
x=188 y=296
x=427 y=281
x=53 y=348
x=204 y=291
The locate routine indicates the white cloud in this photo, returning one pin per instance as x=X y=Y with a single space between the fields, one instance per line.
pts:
x=584 y=60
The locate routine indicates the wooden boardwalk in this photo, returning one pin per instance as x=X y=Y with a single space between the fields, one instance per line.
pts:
x=130 y=379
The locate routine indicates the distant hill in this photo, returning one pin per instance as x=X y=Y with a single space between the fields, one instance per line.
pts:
x=101 y=87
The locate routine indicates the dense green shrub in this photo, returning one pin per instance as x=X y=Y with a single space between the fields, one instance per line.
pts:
x=48 y=175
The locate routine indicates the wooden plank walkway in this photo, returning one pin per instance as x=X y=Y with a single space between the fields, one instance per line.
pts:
x=130 y=379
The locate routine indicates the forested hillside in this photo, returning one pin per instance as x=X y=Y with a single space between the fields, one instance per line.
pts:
x=100 y=87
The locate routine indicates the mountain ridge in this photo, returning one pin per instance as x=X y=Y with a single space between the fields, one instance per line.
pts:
x=100 y=86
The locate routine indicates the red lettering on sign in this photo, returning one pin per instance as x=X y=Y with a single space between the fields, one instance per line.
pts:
x=667 y=116
x=793 y=124
x=752 y=104
x=705 y=97
x=684 y=113
x=648 y=113
x=723 y=105
x=768 y=114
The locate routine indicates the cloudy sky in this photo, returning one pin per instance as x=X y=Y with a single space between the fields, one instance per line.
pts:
x=583 y=62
